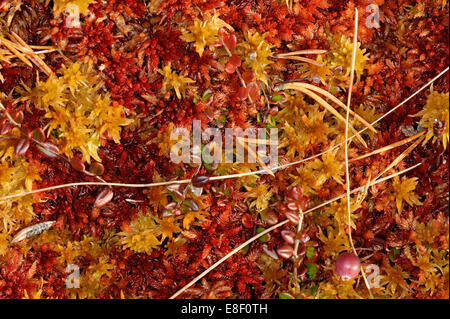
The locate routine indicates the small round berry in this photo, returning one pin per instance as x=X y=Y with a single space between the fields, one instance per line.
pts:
x=347 y=266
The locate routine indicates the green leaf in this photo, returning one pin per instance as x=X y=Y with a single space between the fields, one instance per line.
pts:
x=393 y=253
x=264 y=238
x=309 y=252
x=244 y=250
x=284 y=295
x=277 y=98
x=312 y=269
x=313 y=291
x=206 y=95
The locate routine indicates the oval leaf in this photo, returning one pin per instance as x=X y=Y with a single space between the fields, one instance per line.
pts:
x=22 y=146
x=104 y=197
x=48 y=149
x=97 y=168
x=77 y=164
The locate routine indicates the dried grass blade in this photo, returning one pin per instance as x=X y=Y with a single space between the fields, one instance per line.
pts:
x=401 y=156
x=299 y=58
x=16 y=52
x=327 y=106
x=36 y=58
x=389 y=147
x=299 y=52
x=335 y=100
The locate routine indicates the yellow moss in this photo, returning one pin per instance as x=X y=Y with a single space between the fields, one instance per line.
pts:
x=147 y=232
x=255 y=52
x=78 y=114
x=339 y=211
x=402 y=190
x=340 y=57
x=16 y=176
x=204 y=33
x=175 y=81
x=328 y=167
x=259 y=196
x=3 y=242
x=334 y=242
x=394 y=281
x=61 y=5
x=436 y=109
x=369 y=114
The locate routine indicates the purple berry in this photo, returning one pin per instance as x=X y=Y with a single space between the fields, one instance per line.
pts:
x=347 y=266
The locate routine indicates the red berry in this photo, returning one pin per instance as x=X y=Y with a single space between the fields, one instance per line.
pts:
x=347 y=266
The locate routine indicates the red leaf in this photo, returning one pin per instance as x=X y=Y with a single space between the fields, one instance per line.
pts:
x=104 y=197
x=248 y=76
x=229 y=68
x=38 y=134
x=253 y=90
x=22 y=146
x=222 y=32
x=230 y=41
x=235 y=60
x=243 y=93
x=77 y=164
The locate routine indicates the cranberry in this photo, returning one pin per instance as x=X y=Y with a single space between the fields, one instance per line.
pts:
x=347 y=266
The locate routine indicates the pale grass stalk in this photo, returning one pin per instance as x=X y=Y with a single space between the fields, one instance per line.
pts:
x=296 y=244
x=299 y=58
x=389 y=147
x=34 y=57
x=300 y=52
x=401 y=156
x=347 y=174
